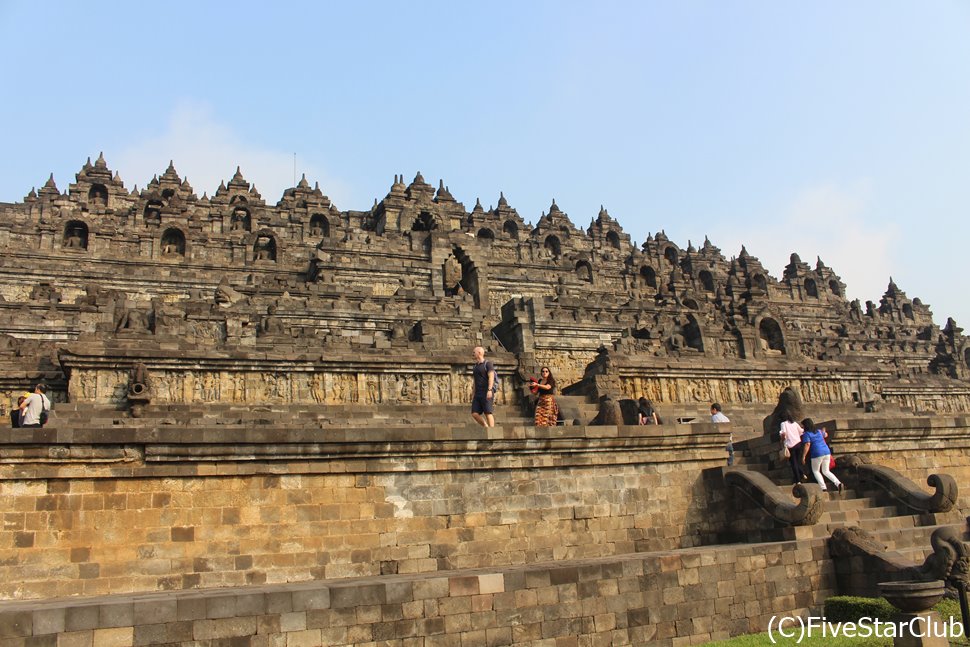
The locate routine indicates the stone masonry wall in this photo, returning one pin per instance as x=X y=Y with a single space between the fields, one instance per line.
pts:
x=230 y=507
x=667 y=599
x=149 y=509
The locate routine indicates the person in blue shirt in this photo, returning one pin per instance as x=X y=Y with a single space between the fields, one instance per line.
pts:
x=815 y=447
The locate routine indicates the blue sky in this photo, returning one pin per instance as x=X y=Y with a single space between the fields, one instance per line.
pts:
x=839 y=129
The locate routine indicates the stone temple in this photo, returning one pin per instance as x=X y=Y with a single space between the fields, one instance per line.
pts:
x=261 y=430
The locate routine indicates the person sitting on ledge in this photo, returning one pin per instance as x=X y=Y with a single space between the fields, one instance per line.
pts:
x=646 y=414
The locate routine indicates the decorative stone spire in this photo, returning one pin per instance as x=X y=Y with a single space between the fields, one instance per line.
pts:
x=502 y=202
x=100 y=163
x=49 y=189
x=398 y=188
x=554 y=208
x=478 y=207
x=170 y=176
x=443 y=195
x=303 y=184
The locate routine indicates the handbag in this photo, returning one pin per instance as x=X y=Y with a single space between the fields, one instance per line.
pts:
x=831 y=462
x=785 y=453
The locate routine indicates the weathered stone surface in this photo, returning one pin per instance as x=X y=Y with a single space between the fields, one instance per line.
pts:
x=261 y=430
x=300 y=302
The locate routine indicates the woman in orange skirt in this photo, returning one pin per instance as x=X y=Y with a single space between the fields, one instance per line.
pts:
x=547 y=411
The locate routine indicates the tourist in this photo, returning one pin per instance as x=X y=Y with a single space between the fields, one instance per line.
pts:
x=547 y=411
x=16 y=415
x=814 y=446
x=791 y=442
x=716 y=415
x=646 y=414
x=483 y=396
x=34 y=408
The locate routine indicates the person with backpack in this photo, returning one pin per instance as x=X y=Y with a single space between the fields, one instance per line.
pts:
x=485 y=381
x=35 y=408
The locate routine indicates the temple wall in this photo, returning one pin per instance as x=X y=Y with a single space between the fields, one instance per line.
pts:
x=143 y=510
x=663 y=599
x=120 y=510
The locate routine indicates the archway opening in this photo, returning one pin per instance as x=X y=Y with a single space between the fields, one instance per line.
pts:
x=772 y=339
x=835 y=288
x=75 y=235
x=241 y=220
x=173 y=242
x=613 y=239
x=511 y=229
x=153 y=213
x=424 y=222
x=649 y=276
x=461 y=275
x=553 y=247
x=707 y=280
x=319 y=225
x=584 y=272
x=264 y=249
x=98 y=195
x=485 y=234
x=811 y=289
x=671 y=255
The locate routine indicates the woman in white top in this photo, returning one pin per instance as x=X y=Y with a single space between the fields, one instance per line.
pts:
x=791 y=439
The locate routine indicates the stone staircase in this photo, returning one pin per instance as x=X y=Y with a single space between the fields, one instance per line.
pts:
x=888 y=521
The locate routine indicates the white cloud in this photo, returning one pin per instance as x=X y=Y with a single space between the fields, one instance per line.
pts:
x=827 y=221
x=207 y=152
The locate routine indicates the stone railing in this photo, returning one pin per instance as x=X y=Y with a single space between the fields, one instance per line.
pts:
x=763 y=492
x=902 y=489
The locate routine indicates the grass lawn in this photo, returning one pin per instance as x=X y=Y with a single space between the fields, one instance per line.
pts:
x=762 y=640
x=946 y=609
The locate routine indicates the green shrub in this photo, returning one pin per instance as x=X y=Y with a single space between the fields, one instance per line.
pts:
x=847 y=608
